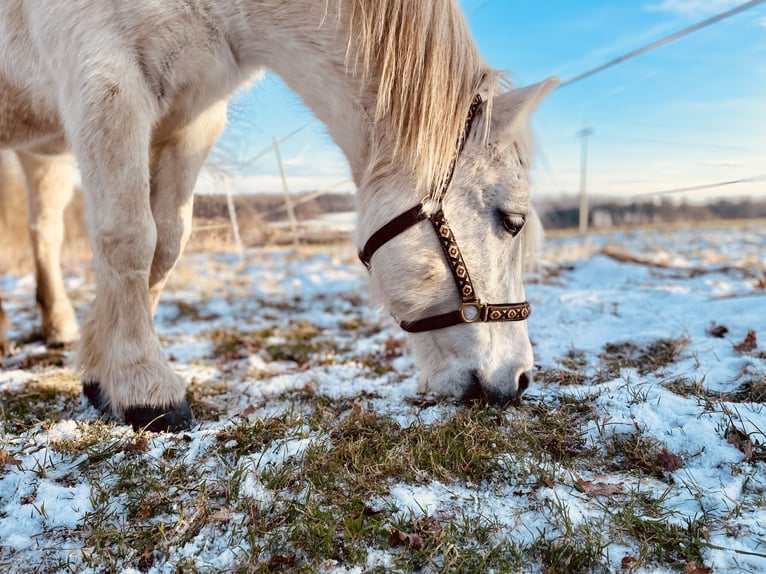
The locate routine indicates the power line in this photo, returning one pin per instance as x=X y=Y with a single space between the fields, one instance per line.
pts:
x=663 y=142
x=270 y=149
x=752 y=179
x=480 y=7
x=663 y=41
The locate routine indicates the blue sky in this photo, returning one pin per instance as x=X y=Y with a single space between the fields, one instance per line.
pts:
x=692 y=112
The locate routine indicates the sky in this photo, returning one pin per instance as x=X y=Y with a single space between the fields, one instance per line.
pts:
x=692 y=112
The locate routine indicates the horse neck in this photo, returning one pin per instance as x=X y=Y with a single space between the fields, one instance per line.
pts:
x=303 y=43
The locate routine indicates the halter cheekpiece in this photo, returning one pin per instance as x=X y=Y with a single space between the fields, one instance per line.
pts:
x=471 y=308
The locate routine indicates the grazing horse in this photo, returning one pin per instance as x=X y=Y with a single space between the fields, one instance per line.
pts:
x=435 y=139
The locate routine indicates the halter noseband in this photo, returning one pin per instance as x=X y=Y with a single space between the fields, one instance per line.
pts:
x=471 y=308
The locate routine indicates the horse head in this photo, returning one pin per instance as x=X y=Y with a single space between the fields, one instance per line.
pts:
x=469 y=335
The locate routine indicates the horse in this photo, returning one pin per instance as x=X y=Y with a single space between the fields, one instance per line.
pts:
x=436 y=140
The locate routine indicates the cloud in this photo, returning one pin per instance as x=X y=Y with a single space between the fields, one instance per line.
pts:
x=762 y=22
x=722 y=163
x=693 y=7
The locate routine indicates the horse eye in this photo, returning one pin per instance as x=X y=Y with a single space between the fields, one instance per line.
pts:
x=513 y=222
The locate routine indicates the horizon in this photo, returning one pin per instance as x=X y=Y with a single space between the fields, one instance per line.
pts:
x=692 y=112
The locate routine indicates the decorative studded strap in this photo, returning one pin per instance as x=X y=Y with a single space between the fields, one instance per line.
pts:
x=471 y=308
x=454 y=257
x=397 y=225
x=480 y=311
x=415 y=214
x=460 y=145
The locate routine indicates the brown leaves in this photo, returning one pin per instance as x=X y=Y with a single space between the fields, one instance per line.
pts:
x=360 y=416
x=669 y=460
x=748 y=344
x=399 y=538
x=718 y=331
x=741 y=441
x=627 y=562
x=393 y=348
x=279 y=560
x=599 y=488
x=426 y=529
x=7 y=459
x=694 y=568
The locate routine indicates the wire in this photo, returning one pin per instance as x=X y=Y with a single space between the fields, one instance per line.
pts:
x=754 y=178
x=308 y=197
x=663 y=41
x=479 y=8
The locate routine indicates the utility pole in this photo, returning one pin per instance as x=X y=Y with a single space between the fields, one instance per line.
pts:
x=584 y=133
x=288 y=197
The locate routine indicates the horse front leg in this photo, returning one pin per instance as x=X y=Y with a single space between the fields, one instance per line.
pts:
x=50 y=184
x=124 y=370
x=176 y=162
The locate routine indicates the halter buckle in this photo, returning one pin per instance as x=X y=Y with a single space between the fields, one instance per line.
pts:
x=472 y=311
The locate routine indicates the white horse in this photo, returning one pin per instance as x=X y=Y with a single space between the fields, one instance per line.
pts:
x=137 y=92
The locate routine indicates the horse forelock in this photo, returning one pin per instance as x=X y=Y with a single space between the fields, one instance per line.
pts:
x=420 y=61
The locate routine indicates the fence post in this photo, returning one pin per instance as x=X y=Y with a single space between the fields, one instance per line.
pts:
x=584 y=134
x=233 y=216
x=288 y=197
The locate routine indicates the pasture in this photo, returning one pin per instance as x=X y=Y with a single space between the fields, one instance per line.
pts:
x=639 y=446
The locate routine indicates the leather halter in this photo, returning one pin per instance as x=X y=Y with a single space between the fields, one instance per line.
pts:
x=471 y=308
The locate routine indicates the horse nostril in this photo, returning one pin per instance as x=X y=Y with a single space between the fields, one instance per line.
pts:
x=523 y=382
x=474 y=391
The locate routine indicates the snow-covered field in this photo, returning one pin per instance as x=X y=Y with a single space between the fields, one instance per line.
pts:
x=650 y=357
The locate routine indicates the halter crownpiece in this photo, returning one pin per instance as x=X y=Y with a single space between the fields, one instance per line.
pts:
x=471 y=308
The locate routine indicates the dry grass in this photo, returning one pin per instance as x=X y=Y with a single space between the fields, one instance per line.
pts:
x=210 y=233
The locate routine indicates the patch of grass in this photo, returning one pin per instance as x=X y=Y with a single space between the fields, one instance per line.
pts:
x=300 y=342
x=636 y=452
x=229 y=344
x=380 y=362
x=751 y=391
x=562 y=377
x=247 y=436
x=91 y=439
x=192 y=312
x=454 y=543
x=573 y=360
x=645 y=359
x=687 y=386
x=144 y=506
x=44 y=400
x=470 y=445
x=322 y=509
x=580 y=551
x=45 y=359
x=199 y=398
x=660 y=539
x=303 y=342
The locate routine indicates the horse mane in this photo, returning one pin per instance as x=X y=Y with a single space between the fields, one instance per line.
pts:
x=421 y=62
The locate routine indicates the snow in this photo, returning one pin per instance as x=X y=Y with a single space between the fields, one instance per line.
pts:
x=592 y=301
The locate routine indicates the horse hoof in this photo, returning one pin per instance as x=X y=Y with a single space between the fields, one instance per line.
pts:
x=91 y=390
x=155 y=419
x=159 y=419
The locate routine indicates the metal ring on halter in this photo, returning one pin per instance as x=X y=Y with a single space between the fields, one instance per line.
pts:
x=484 y=312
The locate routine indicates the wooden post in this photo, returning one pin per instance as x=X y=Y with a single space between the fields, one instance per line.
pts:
x=584 y=134
x=233 y=216
x=288 y=198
